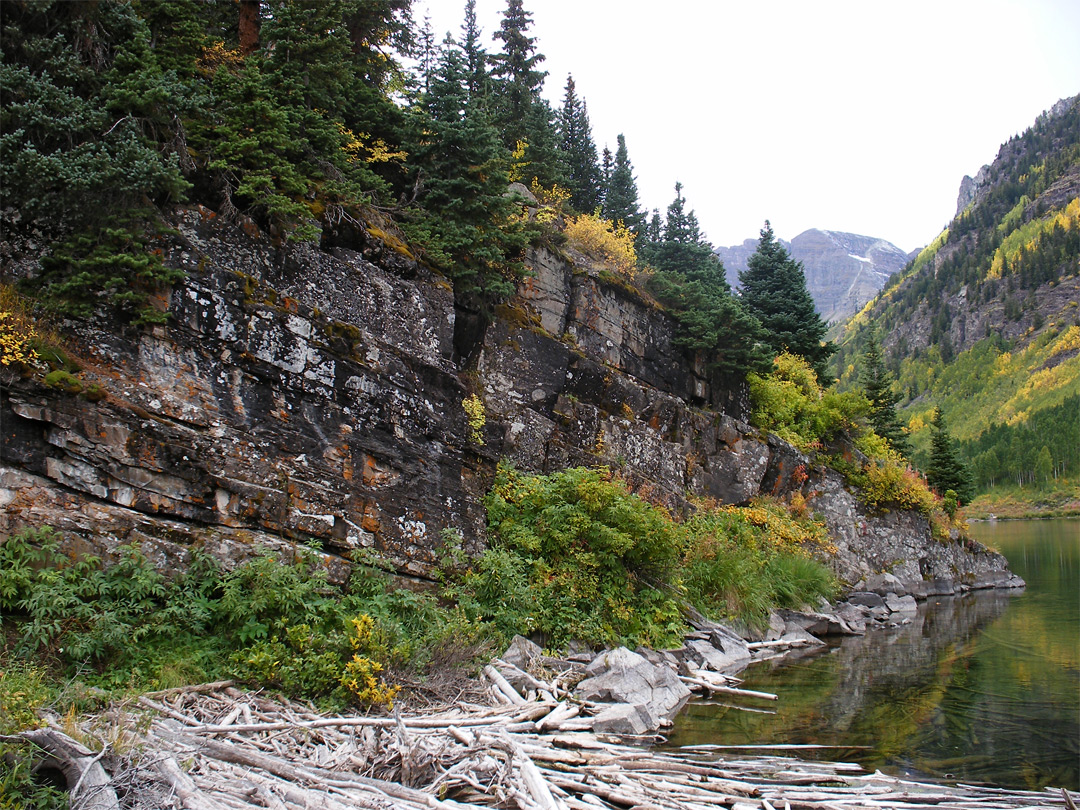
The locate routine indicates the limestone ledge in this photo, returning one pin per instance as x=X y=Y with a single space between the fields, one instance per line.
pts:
x=314 y=396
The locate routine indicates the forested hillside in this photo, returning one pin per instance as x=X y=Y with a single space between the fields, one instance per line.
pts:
x=984 y=322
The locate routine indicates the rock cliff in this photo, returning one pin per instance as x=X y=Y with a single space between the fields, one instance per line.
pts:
x=315 y=396
x=843 y=270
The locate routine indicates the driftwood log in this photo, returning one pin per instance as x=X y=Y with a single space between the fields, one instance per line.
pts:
x=89 y=786
x=215 y=747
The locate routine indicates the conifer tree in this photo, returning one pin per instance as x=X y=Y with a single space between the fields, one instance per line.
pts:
x=544 y=161
x=579 y=151
x=690 y=280
x=621 y=195
x=475 y=57
x=514 y=69
x=877 y=383
x=426 y=52
x=773 y=289
x=945 y=470
x=464 y=223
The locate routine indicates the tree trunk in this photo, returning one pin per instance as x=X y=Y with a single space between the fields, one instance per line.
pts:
x=249 y=26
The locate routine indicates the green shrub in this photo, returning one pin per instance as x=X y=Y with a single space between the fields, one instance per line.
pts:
x=575 y=555
x=742 y=562
x=790 y=403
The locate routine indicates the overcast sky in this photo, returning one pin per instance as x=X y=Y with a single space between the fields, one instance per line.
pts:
x=855 y=116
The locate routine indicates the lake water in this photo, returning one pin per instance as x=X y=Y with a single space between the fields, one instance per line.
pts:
x=983 y=687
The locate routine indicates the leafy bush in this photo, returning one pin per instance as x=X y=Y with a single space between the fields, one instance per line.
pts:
x=791 y=403
x=741 y=562
x=886 y=483
x=575 y=556
x=612 y=243
x=267 y=622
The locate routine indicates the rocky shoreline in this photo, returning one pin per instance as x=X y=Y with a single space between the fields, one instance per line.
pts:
x=638 y=693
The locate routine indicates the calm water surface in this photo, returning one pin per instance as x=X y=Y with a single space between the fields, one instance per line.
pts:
x=983 y=687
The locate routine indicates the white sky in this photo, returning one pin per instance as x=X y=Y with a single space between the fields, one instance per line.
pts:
x=858 y=115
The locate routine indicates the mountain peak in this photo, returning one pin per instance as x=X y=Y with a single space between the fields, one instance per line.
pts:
x=843 y=270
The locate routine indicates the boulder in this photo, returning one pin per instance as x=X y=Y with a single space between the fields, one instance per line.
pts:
x=776 y=627
x=883 y=584
x=853 y=617
x=814 y=623
x=901 y=604
x=819 y=624
x=622 y=676
x=705 y=656
x=866 y=599
x=797 y=634
x=626 y=719
x=659 y=657
x=522 y=652
x=729 y=643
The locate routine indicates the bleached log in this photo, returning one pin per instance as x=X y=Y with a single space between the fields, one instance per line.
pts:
x=503 y=685
x=727 y=690
x=91 y=787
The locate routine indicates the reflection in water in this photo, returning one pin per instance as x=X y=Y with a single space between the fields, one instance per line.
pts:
x=983 y=687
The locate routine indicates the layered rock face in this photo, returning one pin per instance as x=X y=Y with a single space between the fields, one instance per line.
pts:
x=843 y=270
x=316 y=397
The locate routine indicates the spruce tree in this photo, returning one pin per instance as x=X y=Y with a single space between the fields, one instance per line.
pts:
x=621 y=195
x=465 y=220
x=544 y=161
x=517 y=80
x=773 y=289
x=689 y=279
x=579 y=151
x=877 y=383
x=475 y=57
x=945 y=470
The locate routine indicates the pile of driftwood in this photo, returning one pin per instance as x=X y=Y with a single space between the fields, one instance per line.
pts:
x=215 y=747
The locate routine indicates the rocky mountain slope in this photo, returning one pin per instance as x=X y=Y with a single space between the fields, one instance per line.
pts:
x=308 y=395
x=984 y=321
x=843 y=270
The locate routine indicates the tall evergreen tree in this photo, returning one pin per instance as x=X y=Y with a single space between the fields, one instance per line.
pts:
x=475 y=57
x=621 y=195
x=877 y=383
x=426 y=54
x=544 y=161
x=464 y=223
x=945 y=470
x=689 y=279
x=774 y=291
x=518 y=81
x=579 y=151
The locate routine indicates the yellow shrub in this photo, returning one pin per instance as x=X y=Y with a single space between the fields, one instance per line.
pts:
x=17 y=331
x=610 y=242
x=361 y=678
x=474 y=413
x=361 y=674
x=887 y=483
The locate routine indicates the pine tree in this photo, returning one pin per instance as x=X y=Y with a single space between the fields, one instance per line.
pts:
x=773 y=289
x=465 y=220
x=517 y=80
x=877 y=383
x=426 y=54
x=689 y=279
x=945 y=470
x=579 y=151
x=475 y=57
x=621 y=195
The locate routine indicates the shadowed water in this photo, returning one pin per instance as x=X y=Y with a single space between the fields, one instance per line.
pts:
x=983 y=687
